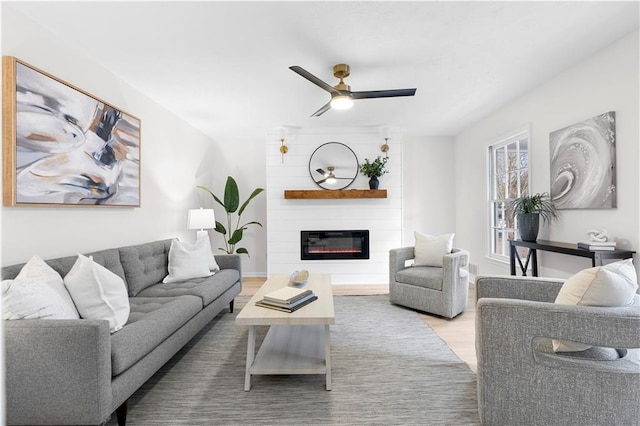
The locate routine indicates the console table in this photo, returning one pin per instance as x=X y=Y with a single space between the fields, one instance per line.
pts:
x=596 y=256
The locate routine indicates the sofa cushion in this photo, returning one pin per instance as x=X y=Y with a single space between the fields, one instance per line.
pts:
x=145 y=264
x=429 y=250
x=611 y=285
x=98 y=293
x=37 y=292
x=151 y=321
x=207 y=289
x=421 y=276
x=187 y=261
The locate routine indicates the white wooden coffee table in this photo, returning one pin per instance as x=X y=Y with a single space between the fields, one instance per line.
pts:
x=297 y=342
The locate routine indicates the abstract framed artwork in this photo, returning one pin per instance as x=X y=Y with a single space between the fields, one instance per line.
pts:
x=63 y=146
x=583 y=164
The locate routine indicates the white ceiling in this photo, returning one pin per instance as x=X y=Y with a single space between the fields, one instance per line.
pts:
x=223 y=66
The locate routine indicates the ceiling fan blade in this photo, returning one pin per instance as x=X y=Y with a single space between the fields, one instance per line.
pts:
x=312 y=78
x=322 y=181
x=383 y=93
x=322 y=172
x=322 y=110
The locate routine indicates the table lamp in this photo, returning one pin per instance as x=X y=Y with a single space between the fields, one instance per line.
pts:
x=201 y=219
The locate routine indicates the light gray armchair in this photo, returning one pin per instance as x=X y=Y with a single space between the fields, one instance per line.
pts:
x=521 y=381
x=440 y=291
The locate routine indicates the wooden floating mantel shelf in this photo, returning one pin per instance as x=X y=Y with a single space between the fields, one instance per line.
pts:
x=334 y=193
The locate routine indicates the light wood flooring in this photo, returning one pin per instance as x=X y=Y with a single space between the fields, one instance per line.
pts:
x=458 y=333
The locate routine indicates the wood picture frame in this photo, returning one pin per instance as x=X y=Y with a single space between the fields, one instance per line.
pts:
x=63 y=146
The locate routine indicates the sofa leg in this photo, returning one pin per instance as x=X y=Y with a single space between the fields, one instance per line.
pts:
x=231 y=306
x=121 y=414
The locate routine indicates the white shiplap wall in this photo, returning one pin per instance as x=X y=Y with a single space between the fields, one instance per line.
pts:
x=286 y=218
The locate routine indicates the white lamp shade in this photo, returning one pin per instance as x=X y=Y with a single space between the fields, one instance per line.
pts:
x=201 y=219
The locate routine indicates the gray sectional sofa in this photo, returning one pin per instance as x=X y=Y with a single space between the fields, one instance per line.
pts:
x=76 y=372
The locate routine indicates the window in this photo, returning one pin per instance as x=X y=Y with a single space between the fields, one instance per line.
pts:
x=508 y=179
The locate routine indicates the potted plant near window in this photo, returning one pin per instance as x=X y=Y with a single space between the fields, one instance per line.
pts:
x=527 y=211
x=373 y=170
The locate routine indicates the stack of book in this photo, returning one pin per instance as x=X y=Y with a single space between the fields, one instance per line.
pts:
x=287 y=299
x=597 y=245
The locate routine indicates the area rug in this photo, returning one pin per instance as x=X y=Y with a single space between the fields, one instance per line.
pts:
x=389 y=368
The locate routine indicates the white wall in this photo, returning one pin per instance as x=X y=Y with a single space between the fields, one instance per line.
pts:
x=428 y=173
x=175 y=158
x=607 y=81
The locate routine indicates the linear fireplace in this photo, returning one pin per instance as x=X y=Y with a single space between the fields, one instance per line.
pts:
x=324 y=245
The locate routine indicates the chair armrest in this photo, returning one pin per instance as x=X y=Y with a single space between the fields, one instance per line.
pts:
x=57 y=371
x=508 y=326
x=397 y=259
x=456 y=259
x=452 y=264
x=229 y=261
x=512 y=287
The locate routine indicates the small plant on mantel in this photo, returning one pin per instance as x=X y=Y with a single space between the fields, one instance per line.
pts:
x=373 y=170
x=232 y=205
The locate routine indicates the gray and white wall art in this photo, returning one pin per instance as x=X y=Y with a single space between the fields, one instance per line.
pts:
x=71 y=148
x=583 y=164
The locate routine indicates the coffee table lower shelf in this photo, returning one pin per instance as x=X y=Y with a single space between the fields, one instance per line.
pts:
x=290 y=349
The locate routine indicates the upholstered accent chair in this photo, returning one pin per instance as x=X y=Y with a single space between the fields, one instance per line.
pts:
x=522 y=381
x=436 y=290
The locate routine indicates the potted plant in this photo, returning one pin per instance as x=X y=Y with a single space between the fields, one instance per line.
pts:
x=527 y=211
x=373 y=170
x=232 y=205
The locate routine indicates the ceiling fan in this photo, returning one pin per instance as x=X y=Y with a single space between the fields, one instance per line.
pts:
x=341 y=95
x=329 y=176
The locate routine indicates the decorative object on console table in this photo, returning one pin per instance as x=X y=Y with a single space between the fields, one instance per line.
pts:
x=63 y=146
x=598 y=240
x=583 y=164
x=599 y=235
x=232 y=205
x=592 y=245
x=373 y=170
x=527 y=209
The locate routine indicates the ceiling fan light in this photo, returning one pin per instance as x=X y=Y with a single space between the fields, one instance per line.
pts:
x=341 y=102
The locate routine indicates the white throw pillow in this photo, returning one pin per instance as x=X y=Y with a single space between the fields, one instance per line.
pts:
x=611 y=285
x=213 y=265
x=37 y=292
x=187 y=261
x=98 y=293
x=428 y=250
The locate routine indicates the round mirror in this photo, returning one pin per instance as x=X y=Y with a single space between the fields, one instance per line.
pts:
x=333 y=165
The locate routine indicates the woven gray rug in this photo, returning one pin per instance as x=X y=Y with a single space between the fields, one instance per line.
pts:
x=389 y=368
